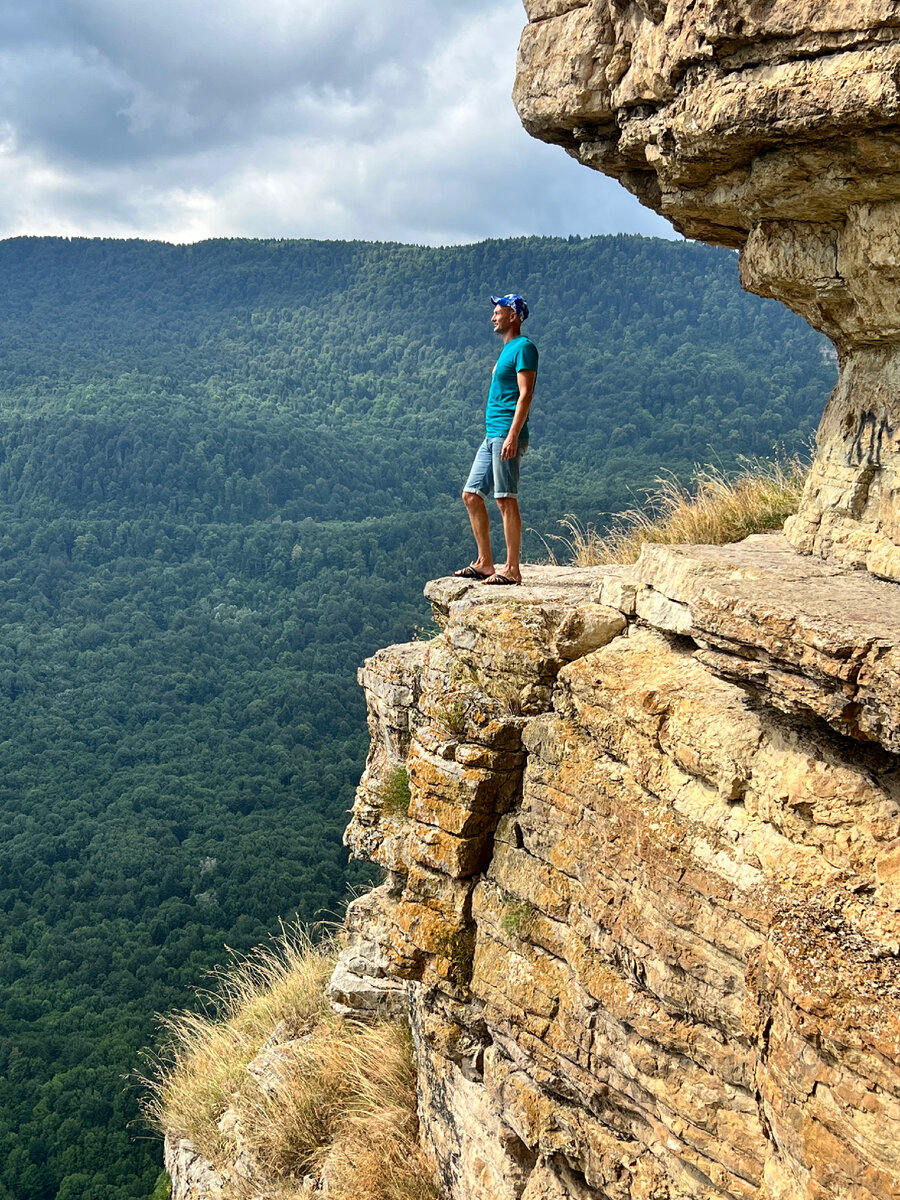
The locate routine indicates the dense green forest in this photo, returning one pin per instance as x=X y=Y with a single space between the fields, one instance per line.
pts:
x=226 y=470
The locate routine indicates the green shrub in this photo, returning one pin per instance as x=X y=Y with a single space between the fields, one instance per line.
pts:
x=394 y=793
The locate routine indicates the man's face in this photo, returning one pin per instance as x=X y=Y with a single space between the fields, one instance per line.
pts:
x=503 y=318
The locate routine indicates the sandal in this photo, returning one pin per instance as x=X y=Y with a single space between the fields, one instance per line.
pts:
x=471 y=572
x=504 y=580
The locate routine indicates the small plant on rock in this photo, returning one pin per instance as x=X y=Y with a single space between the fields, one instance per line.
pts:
x=517 y=914
x=394 y=792
x=452 y=716
x=459 y=948
x=509 y=696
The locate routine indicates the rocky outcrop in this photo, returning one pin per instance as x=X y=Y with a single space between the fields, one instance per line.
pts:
x=193 y=1177
x=642 y=895
x=772 y=126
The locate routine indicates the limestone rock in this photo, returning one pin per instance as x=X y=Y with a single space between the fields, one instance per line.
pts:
x=671 y=968
x=475 y=1152
x=773 y=128
x=711 y=110
x=193 y=1178
x=362 y=983
x=618 y=589
x=814 y=636
x=549 y=621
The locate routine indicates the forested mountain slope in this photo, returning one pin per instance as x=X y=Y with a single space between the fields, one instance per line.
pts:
x=225 y=472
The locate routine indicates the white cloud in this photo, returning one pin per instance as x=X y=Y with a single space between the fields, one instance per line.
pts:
x=386 y=119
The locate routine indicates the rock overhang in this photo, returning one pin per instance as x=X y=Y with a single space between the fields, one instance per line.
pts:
x=772 y=127
x=721 y=114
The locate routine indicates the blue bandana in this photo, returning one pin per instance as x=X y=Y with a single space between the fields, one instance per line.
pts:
x=513 y=301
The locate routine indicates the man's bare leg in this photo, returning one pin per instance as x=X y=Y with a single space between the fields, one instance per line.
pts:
x=481 y=527
x=512 y=531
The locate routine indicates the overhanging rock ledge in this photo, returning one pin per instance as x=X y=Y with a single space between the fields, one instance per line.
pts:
x=771 y=126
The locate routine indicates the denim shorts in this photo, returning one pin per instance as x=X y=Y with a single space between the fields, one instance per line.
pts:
x=493 y=475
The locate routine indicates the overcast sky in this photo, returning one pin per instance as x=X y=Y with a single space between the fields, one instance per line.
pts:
x=376 y=119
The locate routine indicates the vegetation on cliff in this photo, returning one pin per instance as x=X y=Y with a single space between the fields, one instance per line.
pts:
x=715 y=508
x=271 y=1074
x=226 y=471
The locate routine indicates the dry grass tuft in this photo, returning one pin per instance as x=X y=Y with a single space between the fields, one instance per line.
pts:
x=336 y=1096
x=207 y=1052
x=718 y=508
x=376 y=1156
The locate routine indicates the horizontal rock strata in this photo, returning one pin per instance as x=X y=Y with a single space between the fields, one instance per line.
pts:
x=811 y=635
x=644 y=901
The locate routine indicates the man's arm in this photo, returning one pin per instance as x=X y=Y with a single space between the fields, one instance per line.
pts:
x=526 y=391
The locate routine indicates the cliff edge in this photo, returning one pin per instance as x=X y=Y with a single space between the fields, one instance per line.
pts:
x=640 y=826
x=643 y=907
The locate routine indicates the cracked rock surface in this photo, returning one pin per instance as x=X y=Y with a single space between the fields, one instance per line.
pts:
x=647 y=915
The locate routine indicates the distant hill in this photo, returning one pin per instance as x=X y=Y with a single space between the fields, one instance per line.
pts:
x=226 y=470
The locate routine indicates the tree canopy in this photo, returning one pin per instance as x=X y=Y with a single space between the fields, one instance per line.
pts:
x=226 y=471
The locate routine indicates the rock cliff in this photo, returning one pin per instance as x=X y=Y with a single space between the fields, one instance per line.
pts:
x=772 y=126
x=643 y=905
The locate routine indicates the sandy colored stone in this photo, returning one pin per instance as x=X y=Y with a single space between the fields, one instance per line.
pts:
x=475 y=1153
x=815 y=635
x=794 y=787
x=673 y=97
x=460 y=799
x=362 y=981
x=828 y=1075
x=193 y=1177
x=514 y=640
x=392 y=682
x=618 y=589
x=649 y=932
x=661 y=612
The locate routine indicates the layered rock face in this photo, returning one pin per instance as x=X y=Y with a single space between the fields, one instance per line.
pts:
x=642 y=895
x=772 y=126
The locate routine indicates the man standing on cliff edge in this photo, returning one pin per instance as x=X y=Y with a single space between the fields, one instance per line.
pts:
x=496 y=466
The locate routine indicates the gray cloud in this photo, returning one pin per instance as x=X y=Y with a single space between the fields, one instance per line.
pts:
x=389 y=119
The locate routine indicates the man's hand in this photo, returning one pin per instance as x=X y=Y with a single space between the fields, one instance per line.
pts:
x=510 y=446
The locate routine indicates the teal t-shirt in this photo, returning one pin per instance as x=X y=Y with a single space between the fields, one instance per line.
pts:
x=520 y=354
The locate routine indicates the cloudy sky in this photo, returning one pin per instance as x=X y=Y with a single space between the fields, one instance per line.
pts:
x=187 y=119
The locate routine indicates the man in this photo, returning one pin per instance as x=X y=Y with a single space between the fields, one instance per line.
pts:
x=496 y=466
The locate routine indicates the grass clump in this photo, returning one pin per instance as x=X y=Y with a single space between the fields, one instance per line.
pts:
x=458 y=948
x=716 y=509
x=394 y=792
x=334 y=1096
x=452 y=716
